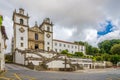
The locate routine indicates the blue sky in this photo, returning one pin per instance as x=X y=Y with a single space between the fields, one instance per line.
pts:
x=106 y=28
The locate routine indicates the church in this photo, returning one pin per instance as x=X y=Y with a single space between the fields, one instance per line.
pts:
x=38 y=36
x=34 y=45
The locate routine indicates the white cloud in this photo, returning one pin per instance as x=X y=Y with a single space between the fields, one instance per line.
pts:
x=74 y=20
x=9 y=30
x=62 y=33
x=109 y=36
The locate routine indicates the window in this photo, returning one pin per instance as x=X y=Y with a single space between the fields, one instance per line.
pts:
x=48 y=43
x=48 y=28
x=81 y=49
x=60 y=44
x=21 y=44
x=21 y=21
x=36 y=46
x=48 y=48
x=72 y=46
x=68 y=46
x=36 y=36
x=76 y=47
x=55 y=44
x=64 y=45
x=21 y=38
x=56 y=50
x=60 y=50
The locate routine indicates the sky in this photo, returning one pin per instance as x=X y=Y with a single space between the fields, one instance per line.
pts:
x=74 y=20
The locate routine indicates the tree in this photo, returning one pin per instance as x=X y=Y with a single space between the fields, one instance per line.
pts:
x=106 y=57
x=78 y=54
x=95 y=51
x=1 y=20
x=64 y=52
x=115 y=49
x=99 y=58
x=79 y=42
x=115 y=58
x=106 y=45
x=88 y=49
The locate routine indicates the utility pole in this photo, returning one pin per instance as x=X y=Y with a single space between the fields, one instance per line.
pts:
x=65 y=62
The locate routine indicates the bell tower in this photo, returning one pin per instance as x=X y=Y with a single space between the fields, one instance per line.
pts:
x=47 y=27
x=20 y=27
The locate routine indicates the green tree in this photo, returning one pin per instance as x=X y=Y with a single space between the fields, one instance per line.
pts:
x=89 y=50
x=79 y=42
x=78 y=54
x=102 y=51
x=115 y=49
x=99 y=58
x=106 y=57
x=1 y=20
x=95 y=51
x=64 y=52
x=106 y=45
x=115 y=58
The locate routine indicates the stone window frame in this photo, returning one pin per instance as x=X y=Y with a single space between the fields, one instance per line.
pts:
x=36 y=36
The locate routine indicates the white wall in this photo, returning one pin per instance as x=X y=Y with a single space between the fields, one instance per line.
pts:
x=18 y=38
x=81 y=49
x=2 y=47
x=2 y=62
x=17 y=20
x=72 y=48
x=47 y=55
x=57 y=64
x=2 y=50
x=19 y=58
x=46 y=40
x=32 y=55
x=35 y=62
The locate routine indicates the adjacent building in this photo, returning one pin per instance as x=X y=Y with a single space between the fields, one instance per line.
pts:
x=3 y=38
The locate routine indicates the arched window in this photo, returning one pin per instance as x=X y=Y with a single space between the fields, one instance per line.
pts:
x=36 y=36
x=48 y=28
x=21 y=21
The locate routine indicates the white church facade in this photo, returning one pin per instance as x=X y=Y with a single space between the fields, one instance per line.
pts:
x=38 y=37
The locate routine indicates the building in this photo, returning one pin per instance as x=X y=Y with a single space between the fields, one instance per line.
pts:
x=35 y=44
x=38 y=37
x=3 y=38
x=59 y=45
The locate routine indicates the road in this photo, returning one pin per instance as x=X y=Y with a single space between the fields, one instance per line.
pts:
x=15 y=72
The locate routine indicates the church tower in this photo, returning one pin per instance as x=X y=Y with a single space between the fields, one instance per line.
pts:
x=47 y=27
x=20 y=27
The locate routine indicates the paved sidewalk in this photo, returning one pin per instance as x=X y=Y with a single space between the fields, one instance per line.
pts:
x=95 y=70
